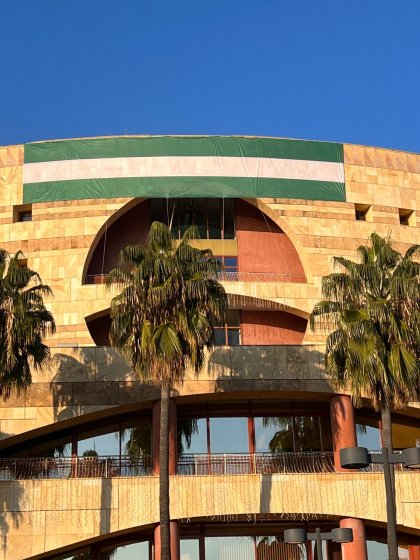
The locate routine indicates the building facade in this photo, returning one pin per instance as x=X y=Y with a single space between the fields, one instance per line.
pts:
x=255 y=437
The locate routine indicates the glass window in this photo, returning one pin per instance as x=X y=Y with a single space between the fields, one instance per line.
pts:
x=104 y=445
x=192 y=435
x=229 y=435
x=233 y=336
x=229 y=218
x=136 y=441
x=273 y=434
x=230 y=333
x=219 y=336
x=272 y=548
x=368 y=436
x=307 y=433
x=139 y=551
x=214 y=216
x=190 y=549
x=221 y=548
x=230 y=264
x=206 y=213
x=284 y=433
x=378 y=551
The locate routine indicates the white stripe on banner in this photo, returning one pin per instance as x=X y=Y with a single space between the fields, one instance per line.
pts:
x=174 y=166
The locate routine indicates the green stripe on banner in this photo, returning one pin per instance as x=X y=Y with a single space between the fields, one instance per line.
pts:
x=93 y=148
x=183 y=187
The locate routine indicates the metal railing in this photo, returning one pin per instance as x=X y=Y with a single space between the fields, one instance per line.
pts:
x=188 y=465
x=228 y=276
x=256 y=463
x=75 y=467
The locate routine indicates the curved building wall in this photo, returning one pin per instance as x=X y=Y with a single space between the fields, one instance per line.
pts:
x=298 y=204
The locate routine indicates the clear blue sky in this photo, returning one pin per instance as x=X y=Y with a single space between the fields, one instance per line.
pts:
x=319 y=70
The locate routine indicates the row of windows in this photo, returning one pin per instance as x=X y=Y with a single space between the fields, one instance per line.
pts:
x=214 y=217
x=249 y=547
x=364 y=213
x=214 y=435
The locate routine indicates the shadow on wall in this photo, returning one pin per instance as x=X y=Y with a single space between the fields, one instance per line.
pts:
x=11 y=505
x=86 y=380
x=269 y=368
x=281 y=368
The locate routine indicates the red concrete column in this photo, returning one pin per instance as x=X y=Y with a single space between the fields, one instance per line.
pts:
x=173 y=458
x=174 y=542
x=343 y=426
x=344 y=435
x=414 y=552
x=355 y=550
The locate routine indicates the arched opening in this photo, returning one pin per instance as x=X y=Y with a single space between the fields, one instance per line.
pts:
x=247 y=240
x=249 y=321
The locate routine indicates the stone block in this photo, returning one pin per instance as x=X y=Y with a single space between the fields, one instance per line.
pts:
x=39 y=394
x=297 y=366
x=135 y=391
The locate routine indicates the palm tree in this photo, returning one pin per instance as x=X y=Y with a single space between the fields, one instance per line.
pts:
x=24 y=322
x=374 y=307
x=162 y=322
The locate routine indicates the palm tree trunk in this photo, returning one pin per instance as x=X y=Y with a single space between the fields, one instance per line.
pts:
x=164 y=473
x=390 y=497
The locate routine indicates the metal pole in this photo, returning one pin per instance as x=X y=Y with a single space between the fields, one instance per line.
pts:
x=390 y=509
x=318 y=544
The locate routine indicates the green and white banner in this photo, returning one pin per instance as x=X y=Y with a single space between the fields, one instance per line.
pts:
x=177 y=166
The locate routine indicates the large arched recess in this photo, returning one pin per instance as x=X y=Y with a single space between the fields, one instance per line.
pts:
x=265 y=242
x=262 y=325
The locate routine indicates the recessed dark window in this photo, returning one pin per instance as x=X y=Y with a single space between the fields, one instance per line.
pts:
x=363 y=212
x=229 y=334
x=214 y=217
x=22 y=213
x=229 y=264
x=407 y=217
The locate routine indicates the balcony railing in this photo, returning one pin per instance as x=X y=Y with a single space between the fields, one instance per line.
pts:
x=256 y=463
x=228 y=276
x=188 y=465
x=75 y=467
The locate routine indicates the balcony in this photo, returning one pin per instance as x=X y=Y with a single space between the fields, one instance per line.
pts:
x=219 y=464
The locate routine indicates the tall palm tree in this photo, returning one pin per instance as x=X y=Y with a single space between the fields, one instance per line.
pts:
x=24 y=322
x=374 y=307
x=162 y=322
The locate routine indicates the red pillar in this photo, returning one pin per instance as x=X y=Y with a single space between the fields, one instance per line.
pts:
x=355 y=550
x=344 y=435
x=414 y=552
x=343 y=426
x=175 y=542
x=174 y=526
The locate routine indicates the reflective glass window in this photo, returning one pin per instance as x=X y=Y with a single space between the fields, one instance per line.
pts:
x=104 y=445
x=230 y=264
x=368 y=436
x=136 y=441
x=229 y=219
x=139 y=551
x=307 y=433
x=273 y=434
x=190 y=549
x=229 y=334
x=192 y=435
x=221 y=548
x=272 y=548
x=214 y=217
x=229 y=435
